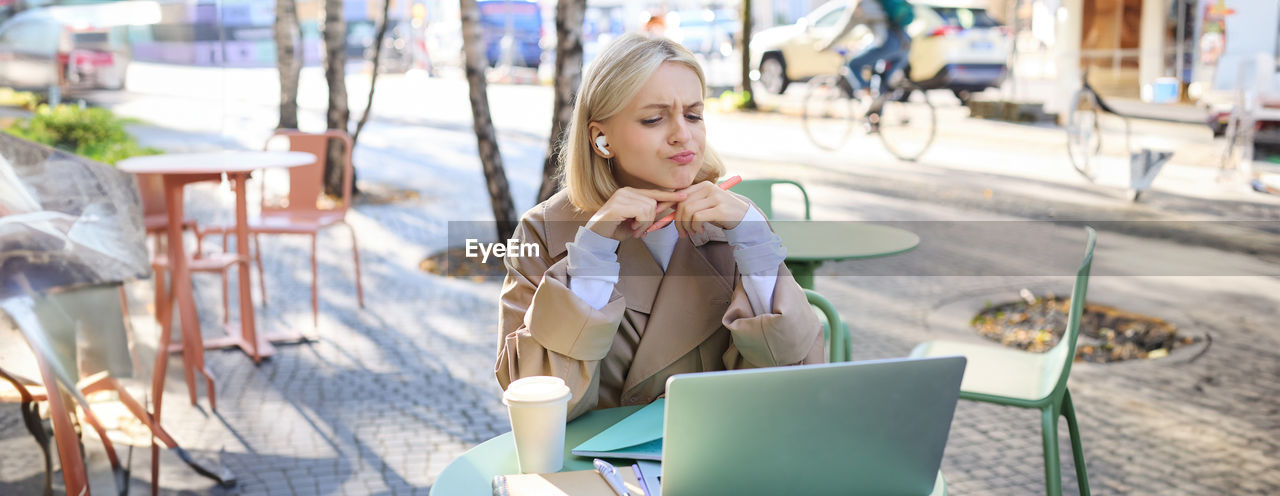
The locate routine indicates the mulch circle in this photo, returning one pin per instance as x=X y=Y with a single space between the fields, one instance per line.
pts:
x=454 y=262
x=1107 y=334
x=372 y=193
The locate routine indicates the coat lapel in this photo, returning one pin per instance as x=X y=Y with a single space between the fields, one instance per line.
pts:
x=640 y=277
x=687 y=308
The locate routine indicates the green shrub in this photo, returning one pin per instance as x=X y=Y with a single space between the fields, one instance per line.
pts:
x=734 y=100
x=89 y=132
x=22 y=99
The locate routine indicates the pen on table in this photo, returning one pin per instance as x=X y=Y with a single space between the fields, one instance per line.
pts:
x=661 y=223
x=611 y=477
x=644 y=486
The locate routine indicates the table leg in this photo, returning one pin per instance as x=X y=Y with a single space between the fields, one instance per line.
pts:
x=180 y=281
x=246 y=337
x=803 y=272
x=248 y=329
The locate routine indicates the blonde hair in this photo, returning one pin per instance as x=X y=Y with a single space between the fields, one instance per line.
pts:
x=613 y=79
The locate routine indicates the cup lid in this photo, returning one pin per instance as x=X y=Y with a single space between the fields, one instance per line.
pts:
x=538 y=388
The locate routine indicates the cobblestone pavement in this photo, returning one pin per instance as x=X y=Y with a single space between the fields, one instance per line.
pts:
x=391 y=393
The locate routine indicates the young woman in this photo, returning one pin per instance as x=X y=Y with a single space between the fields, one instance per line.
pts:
x=615 y=310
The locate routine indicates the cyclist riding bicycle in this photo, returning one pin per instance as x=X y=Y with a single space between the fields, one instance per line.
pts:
x=886 y=19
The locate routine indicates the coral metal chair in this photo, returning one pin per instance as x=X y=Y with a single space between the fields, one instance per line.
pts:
x=302 y=213
x=156 y=218
x=1030 y=380
x=154 y=215
x=99 y=310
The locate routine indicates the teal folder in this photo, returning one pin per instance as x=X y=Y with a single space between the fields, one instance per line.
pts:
x=637 y=437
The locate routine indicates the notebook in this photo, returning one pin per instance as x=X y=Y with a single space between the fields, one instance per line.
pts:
x=575 y=483
x=636 y=437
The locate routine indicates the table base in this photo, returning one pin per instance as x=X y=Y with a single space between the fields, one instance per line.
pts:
x=265 y=347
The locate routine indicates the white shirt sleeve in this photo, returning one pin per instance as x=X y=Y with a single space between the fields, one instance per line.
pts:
x=593 y=267
x=758 y=252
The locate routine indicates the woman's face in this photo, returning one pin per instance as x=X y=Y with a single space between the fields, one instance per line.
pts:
x=657 y=141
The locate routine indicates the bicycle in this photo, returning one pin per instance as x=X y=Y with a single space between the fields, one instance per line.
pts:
x=1084 y=140
x=898 y=112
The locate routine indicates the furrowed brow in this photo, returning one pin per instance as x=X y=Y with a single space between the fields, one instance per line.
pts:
x=664 y=106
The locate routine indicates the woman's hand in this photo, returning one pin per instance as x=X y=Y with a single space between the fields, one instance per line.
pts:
x=707 y=203
x=630 y=211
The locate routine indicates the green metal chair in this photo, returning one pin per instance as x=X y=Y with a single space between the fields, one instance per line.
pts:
x=760 y=191
x=837 y=344
x=1004 y=376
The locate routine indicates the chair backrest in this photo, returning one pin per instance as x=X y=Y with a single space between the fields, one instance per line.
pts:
x=151 y=192
x=836 y=343
x=306 y=182
x=760 y=191
x=1057 y=364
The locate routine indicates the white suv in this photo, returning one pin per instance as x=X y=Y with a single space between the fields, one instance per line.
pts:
x=954 y=45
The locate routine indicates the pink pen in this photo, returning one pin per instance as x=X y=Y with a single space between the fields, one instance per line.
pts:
x=661 y=223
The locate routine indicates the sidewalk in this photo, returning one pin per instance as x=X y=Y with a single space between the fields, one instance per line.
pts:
x=1014 y=160
x=391 y=393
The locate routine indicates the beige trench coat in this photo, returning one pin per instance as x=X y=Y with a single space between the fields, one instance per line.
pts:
x=694 y=318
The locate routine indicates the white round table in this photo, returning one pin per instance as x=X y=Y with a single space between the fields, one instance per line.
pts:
x=214 y=162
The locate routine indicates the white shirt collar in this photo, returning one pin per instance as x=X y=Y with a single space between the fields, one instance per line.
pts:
x=662 y=243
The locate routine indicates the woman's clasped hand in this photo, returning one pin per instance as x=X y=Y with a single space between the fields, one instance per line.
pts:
x=631 y=211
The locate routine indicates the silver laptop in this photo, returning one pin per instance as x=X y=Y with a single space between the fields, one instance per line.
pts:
x=874 y=428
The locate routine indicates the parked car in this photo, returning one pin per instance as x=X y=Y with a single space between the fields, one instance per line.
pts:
x=397 y=49
x=711 y=33
x=955 y=45
x=39 y=52
x=958 y=48
x=522 y=19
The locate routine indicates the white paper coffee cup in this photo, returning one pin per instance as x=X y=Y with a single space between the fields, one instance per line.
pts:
x=538 y=406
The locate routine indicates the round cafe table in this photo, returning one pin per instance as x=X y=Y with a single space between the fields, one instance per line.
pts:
x=472 y=472
x=179 y=169
x=811 y=243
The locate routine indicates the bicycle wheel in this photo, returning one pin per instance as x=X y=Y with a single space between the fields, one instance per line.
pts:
x=828 y=112
x=906 y=122
x=1084 y=138
x=1239 y=137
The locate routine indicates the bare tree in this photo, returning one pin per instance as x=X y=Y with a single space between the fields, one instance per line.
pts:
x=569 y=16
x=373 y=80
x=289 y=63
x=745 y=48
x=504 y=212
x=335 y=61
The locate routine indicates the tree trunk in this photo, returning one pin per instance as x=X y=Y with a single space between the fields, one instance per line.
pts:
x=288 y=61
x=504 y=212
x=569 y=16
x=373 y=80
x=335 y=62
x=745 y=40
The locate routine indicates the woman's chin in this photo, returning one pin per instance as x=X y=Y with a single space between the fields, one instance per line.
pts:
x=682 y=177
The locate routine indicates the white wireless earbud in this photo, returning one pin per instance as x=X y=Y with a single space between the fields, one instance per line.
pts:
x=600 y=144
